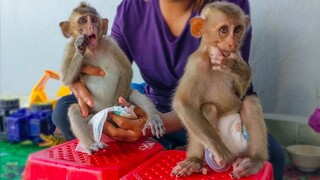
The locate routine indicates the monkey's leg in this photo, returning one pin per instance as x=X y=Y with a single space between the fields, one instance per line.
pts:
x=207 y=133
x=257 y=153
x=193 y=162
x=80 y=127
x=154 y=121
x=210 y=111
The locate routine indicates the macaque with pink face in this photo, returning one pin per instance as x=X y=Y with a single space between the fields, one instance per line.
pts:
x=213 y=86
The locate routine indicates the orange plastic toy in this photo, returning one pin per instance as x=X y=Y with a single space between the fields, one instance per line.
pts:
x=38 y=94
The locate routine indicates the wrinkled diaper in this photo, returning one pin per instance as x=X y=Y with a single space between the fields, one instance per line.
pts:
x=98 y=120
x=234 y=135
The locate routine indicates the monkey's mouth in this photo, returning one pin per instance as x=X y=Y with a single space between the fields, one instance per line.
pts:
x=92 y=40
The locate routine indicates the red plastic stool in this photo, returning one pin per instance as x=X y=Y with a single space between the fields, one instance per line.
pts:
x=160 y=166
x=63 y=162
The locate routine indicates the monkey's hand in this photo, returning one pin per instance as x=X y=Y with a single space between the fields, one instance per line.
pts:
x=81 y=43
x=246 y=166
x=156 y=126
x=187 y=167
x=96 y=147
x=219 y=60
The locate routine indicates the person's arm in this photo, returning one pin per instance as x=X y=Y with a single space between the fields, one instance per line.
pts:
x=117 y=29
x=130 y=129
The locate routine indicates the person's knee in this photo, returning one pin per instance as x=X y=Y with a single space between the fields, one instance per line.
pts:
x=58 y=111
x=59 y=114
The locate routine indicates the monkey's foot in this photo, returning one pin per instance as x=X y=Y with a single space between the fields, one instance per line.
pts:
x=96 y=147
x=187 y=167
x=156 y=126
x=243 y=167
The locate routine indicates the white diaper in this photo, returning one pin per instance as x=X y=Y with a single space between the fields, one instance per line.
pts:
x=97 y=121
x=234 y=135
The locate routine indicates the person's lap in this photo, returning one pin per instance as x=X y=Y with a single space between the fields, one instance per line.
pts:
x=169 y=141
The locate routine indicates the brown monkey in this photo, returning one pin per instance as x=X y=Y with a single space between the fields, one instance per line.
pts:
x=90 y=45
x=218 y=87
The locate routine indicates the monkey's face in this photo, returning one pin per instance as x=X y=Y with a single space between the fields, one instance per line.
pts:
x=225 y=32
x=89 y=24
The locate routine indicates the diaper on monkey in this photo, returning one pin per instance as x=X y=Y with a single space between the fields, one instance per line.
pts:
x=96 y=123
x=234 y=135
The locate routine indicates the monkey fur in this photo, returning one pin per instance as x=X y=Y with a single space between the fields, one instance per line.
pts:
x=210 y=89
x=90 y=45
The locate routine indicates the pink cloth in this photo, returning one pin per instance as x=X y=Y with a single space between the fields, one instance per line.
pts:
x=314 y=120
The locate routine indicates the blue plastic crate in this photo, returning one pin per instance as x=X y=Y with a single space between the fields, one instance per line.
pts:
x=17 y=125
x=40 y=123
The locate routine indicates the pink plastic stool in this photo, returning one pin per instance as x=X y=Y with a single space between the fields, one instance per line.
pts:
x=160 y=166
x=63 y=162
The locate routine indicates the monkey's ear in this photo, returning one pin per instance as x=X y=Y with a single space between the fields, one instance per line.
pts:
x=105 y=26
x=248 y=21
x=196 y=24
x=65 y=28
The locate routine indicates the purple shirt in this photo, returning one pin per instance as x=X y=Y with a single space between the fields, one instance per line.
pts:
x=143 y=35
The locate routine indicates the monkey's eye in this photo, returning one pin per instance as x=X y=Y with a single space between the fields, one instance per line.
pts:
x=82 y=20
x=238 y=29
x=224 y=29
x=94 y=19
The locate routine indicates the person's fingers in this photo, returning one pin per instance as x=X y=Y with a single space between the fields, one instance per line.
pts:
x=128 y=124
x=83 y=96
x=83 y=107
x=92 y=70
x=120 y=134
x=124 y=102
x=137 y=110
x=140 y=113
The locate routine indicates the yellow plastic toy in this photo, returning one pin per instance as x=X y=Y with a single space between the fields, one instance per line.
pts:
x=38 y=94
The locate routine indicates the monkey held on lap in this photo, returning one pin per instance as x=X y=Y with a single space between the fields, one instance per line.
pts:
x=90 y=45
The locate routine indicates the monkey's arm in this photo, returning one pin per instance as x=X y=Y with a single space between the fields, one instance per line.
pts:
x=73 y=59
x=242 y=74
x=231 y=63
x=154 y=121
x=71 y=68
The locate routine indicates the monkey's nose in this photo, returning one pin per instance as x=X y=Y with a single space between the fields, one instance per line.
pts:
x=233 y=47
x=90 y=29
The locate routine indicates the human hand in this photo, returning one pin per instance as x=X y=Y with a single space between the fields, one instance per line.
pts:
x=124 y=129
x=81 y=92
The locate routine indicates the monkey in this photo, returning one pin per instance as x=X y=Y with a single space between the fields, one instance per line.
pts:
x=90 y=45
x=218 y=90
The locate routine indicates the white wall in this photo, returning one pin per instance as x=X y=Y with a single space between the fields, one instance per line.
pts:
x=31 y=41
x=284 y=56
